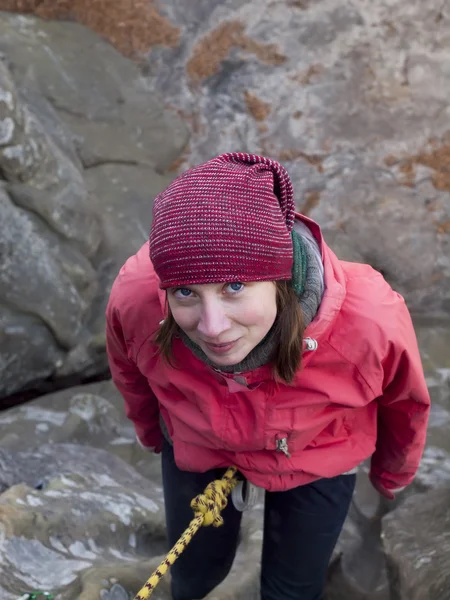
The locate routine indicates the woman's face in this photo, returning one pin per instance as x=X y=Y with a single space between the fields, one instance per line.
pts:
x=227 y=320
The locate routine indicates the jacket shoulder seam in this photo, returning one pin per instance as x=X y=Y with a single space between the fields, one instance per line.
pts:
x=356 y=367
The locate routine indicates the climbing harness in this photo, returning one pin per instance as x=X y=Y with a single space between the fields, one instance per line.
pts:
x=207 y=508
x=245 y=495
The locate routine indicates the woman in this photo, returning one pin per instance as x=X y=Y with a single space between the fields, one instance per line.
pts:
x=244 y=341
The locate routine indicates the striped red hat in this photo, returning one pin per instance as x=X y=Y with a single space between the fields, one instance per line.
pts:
x=226 y=220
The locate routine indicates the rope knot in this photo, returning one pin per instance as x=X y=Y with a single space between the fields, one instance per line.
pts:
x=211 y=503
x=207 y=508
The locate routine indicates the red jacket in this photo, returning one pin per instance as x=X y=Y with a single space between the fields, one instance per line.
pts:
x=361 y=392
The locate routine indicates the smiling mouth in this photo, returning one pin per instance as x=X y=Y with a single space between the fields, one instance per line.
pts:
x=220 y=348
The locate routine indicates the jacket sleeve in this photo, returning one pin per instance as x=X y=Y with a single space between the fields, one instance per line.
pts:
x=403 y=408
x=141 y=404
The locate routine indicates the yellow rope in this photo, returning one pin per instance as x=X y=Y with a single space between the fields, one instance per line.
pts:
x=207 y=508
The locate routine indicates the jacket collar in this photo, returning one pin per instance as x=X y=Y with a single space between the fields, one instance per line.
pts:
x=335 y=288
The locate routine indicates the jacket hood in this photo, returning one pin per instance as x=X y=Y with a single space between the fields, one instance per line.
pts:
x=335 y=287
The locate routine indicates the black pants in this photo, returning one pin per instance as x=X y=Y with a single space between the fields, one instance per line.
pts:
x=301 y=527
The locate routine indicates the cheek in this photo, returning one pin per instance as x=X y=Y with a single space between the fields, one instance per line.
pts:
x=260 y=316
x=268 y=317
x=184 y=317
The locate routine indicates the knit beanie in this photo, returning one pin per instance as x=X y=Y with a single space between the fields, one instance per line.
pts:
x=226 y=220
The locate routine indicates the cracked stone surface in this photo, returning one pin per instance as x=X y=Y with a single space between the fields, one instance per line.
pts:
x=81 y=508
x=352 y=97
x=84 y=146
x=416 y=538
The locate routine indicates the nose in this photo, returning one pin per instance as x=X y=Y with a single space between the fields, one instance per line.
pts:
x=213 y=321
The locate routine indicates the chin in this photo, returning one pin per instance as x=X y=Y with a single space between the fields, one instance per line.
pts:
x=227 y=361
x=223 y=361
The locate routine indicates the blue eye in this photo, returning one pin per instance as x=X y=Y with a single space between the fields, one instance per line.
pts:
x=235 y=287
x=182 y=292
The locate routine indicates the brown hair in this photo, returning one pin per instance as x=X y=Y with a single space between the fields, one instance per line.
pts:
x=289 y=328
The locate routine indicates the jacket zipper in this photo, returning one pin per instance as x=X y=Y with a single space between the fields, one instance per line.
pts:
x=282 y=446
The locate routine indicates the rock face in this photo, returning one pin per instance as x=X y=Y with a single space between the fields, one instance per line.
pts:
x=83 y=150
x=81 y=511
x=90 y=510
x=417 y=541
x=351 y=97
